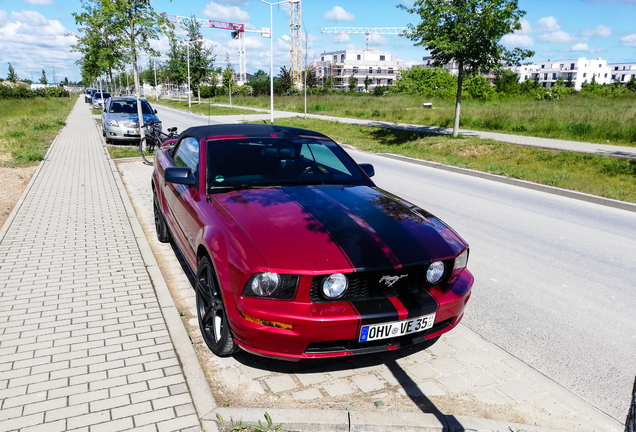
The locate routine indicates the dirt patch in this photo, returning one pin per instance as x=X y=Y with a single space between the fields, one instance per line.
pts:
x=14 y=181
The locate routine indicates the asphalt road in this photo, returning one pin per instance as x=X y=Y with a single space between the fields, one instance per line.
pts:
x=555 y=276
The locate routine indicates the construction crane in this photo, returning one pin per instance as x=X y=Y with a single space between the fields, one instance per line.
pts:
x=295 y=42
x=365 y=30
x=238 y=32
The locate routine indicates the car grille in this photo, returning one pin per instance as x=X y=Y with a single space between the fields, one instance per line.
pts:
x=367 y=285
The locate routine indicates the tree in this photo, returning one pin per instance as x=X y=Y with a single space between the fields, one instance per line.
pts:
x=285 y=80
x=367 y=81
x=43 y=79
x=329 y=83
x=631 y=84
x=13 y=77
x=569 y=83
x=131 y=25
x=228 y=73
x=560 y=82
x=468 y=32
x=201 y=57
x=259 y=83
x=311 y=78
x=508 y=83
x=353 y=82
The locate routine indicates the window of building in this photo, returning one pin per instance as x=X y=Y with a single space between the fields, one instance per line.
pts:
x=335 y=58
x=614 y=77
x=605 y=75
x=561 y=66
x=370 y=70
x=379 y=82
x=571 y=65
x=390 y=70
x=322 y=58
x=389 y=82
x=624 y=67
x=358 y=57
x=584 y=75
x=342 y=58
x=616 y=68
x=624 y=77
x=545 y=76
x=554 y=76
x=379 y=70
x=600 y=65
x=542 y=66
x=382 y=58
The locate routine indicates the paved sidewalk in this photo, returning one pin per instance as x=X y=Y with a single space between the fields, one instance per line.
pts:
x=549 y=143
x=84 y=345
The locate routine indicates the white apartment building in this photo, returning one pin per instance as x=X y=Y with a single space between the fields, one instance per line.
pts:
x=578 y=70
x=622 y=72
x=451 y=67
x=379 y=66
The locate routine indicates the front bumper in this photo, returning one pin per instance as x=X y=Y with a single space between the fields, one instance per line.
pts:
x=123 y=133
x=324 y=330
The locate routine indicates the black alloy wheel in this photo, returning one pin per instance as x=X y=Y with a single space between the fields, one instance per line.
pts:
x=211 y=312
x=163 y=235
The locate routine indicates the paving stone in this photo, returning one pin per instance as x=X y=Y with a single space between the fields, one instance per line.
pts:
x=367 y=383
x=309 y=394
x=523 y=389
x=280 y=383
x=455 y=383
x=254 y=372
x=474 y=358
x=419 y=371
x=311 y=378
x=447 y=365
x=338 y=388
x=426 y=388
x=490 y=396
x=479 y=377
x=502 y=370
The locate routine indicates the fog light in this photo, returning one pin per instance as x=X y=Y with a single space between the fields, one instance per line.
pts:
x=334 y=286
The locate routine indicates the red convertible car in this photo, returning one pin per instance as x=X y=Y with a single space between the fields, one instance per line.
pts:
x=296 y=252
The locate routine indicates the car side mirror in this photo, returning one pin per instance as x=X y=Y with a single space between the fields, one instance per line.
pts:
x=368 y=169
x=180 y=175
x=155 y=111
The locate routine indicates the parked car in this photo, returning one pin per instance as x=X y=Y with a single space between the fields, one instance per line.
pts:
x=88 y=94
x=296 y=252
x=99 y=98
x=120 y=121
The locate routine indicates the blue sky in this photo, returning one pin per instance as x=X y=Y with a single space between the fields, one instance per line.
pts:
x=32 y=32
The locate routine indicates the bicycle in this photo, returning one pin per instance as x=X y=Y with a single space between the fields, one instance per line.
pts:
x=154 y=139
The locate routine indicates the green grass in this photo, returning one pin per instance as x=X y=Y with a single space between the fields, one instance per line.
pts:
x=96 y=111
x=204 y=108
x=117 y=152
x=28 y=126
x=598 y=175
x=574 y=117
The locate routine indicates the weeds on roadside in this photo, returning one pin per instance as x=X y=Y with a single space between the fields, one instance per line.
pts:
x=242 y=427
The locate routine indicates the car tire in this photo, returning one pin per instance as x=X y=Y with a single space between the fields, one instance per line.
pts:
x=163 y=235
x=211 y=312
x=104 y=132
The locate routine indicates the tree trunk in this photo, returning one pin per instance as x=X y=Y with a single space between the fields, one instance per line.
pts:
x=140 y=115
x=112 y=83
x=458 y=100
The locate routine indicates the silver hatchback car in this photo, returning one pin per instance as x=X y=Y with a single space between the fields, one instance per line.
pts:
x=120 y=121
x=99 y=99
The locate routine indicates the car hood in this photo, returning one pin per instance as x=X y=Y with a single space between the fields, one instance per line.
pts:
x=321 y=229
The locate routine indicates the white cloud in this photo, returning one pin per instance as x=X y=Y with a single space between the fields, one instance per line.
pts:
x=3 y=18
x=376 y=39
x=408 y=3
x=600 y=31
x=32 y=17
x=351 y=47
x=234 y=2
x=342 y=38
x=629 y=41
x=40 y=2
x=226 y=13
x=526 y=28
x=580 y=47
x=338 y=14
x=517 y=40
x=547 y=24
x=556 y=37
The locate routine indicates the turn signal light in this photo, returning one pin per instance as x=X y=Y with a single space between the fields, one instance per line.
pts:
x=268 y=323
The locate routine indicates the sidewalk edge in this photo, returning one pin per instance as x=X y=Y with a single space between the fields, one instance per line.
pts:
x=202 y=396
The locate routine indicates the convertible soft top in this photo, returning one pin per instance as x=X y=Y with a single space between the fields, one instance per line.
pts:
x=231 y=131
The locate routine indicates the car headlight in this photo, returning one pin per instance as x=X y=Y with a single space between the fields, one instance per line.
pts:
x=113 y=123
x=272 y=285
x=334 y=286
x=435 y=272
x=132 y=124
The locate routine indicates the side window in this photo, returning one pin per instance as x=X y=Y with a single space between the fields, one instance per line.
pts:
x=323 y=155
x=186 y=154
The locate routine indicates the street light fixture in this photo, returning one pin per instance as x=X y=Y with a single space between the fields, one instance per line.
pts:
x=271 y=52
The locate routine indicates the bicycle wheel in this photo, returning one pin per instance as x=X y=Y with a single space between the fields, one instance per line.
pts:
x=150 y=149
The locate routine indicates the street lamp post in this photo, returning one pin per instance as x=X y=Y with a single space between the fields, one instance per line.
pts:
x=188 y=54
x=271 y=52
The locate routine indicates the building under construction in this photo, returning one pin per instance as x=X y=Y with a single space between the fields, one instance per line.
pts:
x=379 y=66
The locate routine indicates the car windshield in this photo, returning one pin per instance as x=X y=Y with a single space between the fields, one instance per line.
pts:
x=100 y=95
x=129 y=107
x=279 y=162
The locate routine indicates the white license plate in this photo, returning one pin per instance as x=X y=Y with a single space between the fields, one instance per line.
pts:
x=399 y=328
x=132 y=132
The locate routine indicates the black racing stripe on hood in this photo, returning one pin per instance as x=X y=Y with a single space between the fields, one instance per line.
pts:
x=402 y=243
x=363 y=251
x=418 y=303
x=375 y=311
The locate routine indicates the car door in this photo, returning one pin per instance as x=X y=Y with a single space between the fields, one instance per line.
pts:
x=182 y=199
